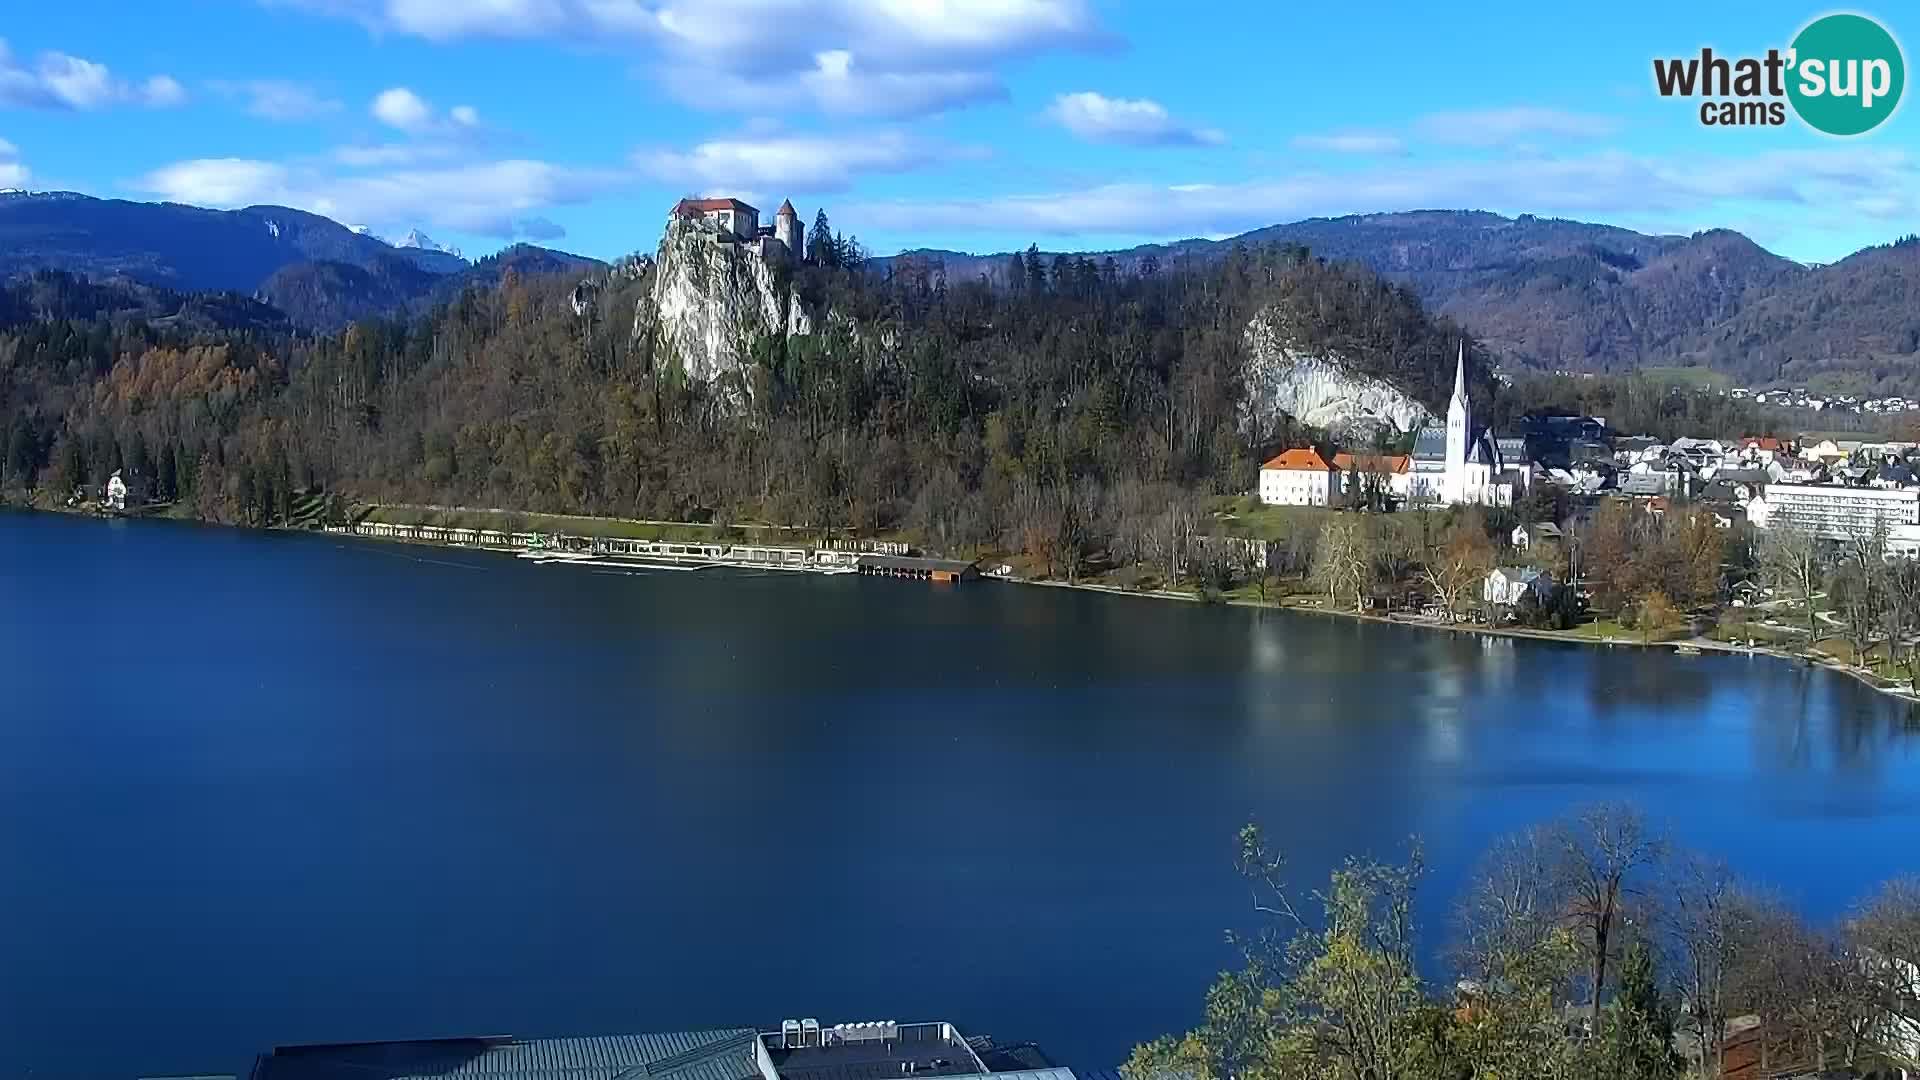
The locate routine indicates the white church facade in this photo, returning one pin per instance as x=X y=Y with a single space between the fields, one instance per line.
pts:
x=1462 y=464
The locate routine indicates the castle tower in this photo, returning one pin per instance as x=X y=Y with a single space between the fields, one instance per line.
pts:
x=1459 y=430
x=788 y=230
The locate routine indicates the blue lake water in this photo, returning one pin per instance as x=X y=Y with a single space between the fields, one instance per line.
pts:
x=260 y=789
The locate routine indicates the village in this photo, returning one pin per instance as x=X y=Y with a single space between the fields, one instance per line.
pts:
x=1566 y=525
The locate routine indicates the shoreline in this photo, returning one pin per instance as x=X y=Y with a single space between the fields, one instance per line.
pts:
x=1702 y=644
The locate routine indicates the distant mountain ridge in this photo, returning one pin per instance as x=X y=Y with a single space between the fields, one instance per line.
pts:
x=321 y=273
x=1559 y=294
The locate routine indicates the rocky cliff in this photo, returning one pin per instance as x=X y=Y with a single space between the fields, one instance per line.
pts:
x=714 y=300
x=1322 y=391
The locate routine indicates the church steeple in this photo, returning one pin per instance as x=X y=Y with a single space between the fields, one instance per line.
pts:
x=1459 y=431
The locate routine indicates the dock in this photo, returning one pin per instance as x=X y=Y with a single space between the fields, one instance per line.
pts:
x=871 y=558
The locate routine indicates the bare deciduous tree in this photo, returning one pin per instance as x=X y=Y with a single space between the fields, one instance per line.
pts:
x=1790 y=561
x=1605 y=853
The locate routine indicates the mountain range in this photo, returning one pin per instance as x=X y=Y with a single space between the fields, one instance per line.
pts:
x=320 y=273
x=1540 y=293
x=1554 y=294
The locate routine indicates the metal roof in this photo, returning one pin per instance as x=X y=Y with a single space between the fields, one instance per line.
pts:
x=723 y=1054
x=916 y=563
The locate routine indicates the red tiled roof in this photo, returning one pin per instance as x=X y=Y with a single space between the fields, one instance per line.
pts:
x=1387 y=463
x=786 y=209
x=1761 y=442
x=701 y=206
x=1299 y=461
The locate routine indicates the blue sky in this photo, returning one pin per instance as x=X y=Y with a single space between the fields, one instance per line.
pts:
x=981 y=126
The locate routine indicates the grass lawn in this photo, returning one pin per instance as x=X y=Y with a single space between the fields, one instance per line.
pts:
x=1245 y=515
x=1601 y=629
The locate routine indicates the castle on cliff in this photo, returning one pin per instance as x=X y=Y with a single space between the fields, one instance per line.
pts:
x=734 y=222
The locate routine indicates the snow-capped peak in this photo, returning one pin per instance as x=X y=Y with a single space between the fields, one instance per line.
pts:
x=417 y=239
x=359 y=230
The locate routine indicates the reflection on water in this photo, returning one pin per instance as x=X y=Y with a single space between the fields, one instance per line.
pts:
x=332 y=791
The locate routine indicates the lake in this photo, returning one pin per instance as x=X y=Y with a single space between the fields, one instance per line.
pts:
x=266 y=788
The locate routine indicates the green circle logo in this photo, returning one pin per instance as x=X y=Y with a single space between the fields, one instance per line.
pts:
x=1847 y=74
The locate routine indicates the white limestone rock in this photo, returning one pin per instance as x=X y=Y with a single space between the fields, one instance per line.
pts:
x=714 y=300
x=1318 y=390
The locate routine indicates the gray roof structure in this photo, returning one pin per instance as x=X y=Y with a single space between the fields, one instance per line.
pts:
x=722 y=1054
x=1486 y=448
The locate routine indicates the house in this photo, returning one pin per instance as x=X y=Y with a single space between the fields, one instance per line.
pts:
x=116 y=492
x=1372 y=479
x=1525 y=536
x=1646 y=485
x=1508 y=585
x=1761 y=449
x=735 y=222
x=1297 y=478
x=1826 y=451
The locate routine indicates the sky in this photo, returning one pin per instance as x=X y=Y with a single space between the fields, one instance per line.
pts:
x=974 y=125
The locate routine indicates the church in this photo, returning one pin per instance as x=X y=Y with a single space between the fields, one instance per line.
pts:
x=1465 y=464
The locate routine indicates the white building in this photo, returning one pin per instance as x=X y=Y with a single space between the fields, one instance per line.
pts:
x=1466 y=464
x=1358 y=477
x=116 y=492
x=1297 y=478
x=1509 y=585
x=736 y=222
x=1834 y=511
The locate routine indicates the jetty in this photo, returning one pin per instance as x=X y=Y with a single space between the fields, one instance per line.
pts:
x=876 y=558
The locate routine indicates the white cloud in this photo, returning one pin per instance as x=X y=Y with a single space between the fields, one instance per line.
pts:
x=13 y=172
x=387 y=155
x=163 y=92
x=836 y=84
x=1377 y=143
x=57 y=80
x=217 y=181
x=403 y=110
x=492 y=198
x=1136 y=121
x=1510 y=125
x=278 y=99
x=1882 y=183
x=794 y=163
x=846 y=57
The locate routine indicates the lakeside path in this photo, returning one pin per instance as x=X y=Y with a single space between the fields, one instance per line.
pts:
x=1897 y=690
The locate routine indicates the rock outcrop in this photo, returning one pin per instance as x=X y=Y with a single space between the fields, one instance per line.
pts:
x=1318 y=390
x=714 y=300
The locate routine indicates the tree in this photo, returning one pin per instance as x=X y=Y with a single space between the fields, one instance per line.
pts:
x=1654 y=614
x=1710 y=923
x=1790 y=561
x=1604 y=854
x=1636 y=1038
x=1859 y=586
x=1343 y=561
x=1886 y=935
x=820 y=241
x=1457 y=571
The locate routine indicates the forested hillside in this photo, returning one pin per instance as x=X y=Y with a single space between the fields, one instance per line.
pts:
x=1075 y=403
x=1568 y=295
